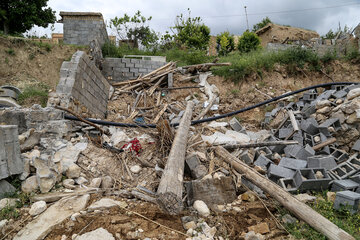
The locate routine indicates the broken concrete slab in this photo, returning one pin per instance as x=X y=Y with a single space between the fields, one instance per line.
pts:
x=97 y=234
x=211 y=191
x=105 y=203
x=54 y=215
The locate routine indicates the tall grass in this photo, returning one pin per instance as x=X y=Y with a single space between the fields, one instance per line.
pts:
x=243 y=65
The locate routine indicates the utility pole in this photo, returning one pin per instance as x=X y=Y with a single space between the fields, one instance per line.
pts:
x=247 y=22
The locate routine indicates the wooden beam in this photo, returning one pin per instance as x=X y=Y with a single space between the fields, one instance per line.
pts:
x=327 y=142
x=299 y=209
x=169 y=193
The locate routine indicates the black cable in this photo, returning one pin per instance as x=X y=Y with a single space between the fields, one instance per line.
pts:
x=107 y=123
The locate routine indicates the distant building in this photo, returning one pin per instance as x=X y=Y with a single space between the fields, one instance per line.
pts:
x=80 y=28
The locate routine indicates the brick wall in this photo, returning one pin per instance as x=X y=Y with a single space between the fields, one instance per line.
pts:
x=82 y=87
x=82 y=28
x=120 y=69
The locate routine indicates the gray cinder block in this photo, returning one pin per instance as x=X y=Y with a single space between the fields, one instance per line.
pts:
x=339 y=94
x=344 y=184
x=356 y=178
x=306 y=179
x=339 y=155
x=262 y=161
x=356 y=146
x=275 y=172
x=263 y=151
x=347 y=198
x=292 y=163
x=236 y=126
x=343 y=170
x=310 y=126
x=288 y=184
x=322 y=161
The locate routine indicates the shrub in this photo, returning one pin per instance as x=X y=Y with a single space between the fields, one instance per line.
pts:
x=248 y=42
x=226 y=42
x=329 y=56
x=35 y=94
x=10 y=51
x=261 y=24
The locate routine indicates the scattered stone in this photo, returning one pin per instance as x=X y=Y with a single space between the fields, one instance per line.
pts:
x=135 y=169
x=69 y=183
x=319 y=175
x=8 y=202
x=63 y=237
x=74 y=216
x=260 y=169
x=304 y=197
x=97 y=234
x=6 y=188
x=322 y=104
x=37 y=208
x=95 y=183
x=288 y=219
x=3 y=223
x=323 y=110
x=330 y=196
x=107 y=182
x=254 y=236
x=353 y=93
x=81 y=180
x=105 y=203
x=202 y=208
x=261 y=228
x=53 y=216
x=46 y=179
x=73 y=171
x=30 y=185
x=190 y=225
x=248 y=196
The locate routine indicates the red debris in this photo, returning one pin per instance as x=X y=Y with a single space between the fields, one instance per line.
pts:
x=135 y=146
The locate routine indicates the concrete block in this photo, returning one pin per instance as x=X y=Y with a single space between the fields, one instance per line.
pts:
x=356 y=146
x=10 y=160
x=310 y=126
x=262 y=161
x=236 y=126
x=299 y=152
x=349 y=199
x=325 y=95
x=292 y=163
x=339 y=94
x=308 y=110
x=343 y=170
x=247 y=157
x=276 y=172
x=351 y=87
x=339 y=155
x=321 y=161
x=288 y=184
x=306 y=179
x=310 y=95
x=285 y=132
x=332 y=122
x=279 y=148
x=354 y=162
x=356 y=178
x=344 y=184
x=194 y=167
x=338 y=87
x=263 y=151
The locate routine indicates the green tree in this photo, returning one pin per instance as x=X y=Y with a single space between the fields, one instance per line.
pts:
x=191 y=32
x=248 y=42
x=261 y=24
x=18 y=16
x=135 y=28
x=226 y=42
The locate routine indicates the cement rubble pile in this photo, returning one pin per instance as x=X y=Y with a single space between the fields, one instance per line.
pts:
x=313 y=144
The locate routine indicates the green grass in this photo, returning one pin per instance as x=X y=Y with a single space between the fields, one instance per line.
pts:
x=37 y=93
x=342 y=218
x=10 y=51
x=244 y=65
x=43 y=45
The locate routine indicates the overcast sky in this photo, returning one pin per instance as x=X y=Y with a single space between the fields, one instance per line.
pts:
x=222 y=15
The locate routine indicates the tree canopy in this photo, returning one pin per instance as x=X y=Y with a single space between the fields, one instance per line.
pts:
x=261 y=24
x=135 y=28
x=18 y=16
x=191 y=32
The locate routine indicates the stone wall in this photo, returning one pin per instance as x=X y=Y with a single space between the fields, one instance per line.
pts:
x=120 y=69
x=81 y=28
x=82 y=87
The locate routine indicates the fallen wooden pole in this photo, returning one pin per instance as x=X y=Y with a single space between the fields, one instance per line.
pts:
x=324 y=144
x=169 y=193
x=301 y=210
x=177 y=88
x=260 y=144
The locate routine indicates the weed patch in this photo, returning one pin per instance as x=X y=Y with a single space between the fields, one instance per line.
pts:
x=34 y=94
x=10 y=51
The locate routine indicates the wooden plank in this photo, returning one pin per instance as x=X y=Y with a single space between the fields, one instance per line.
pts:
x=301 y=210
x=156 y=119
x=171 y=184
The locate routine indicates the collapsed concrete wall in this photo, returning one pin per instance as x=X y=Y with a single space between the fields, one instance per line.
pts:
x=82 y=87
x=81 y=28
x=120 y=69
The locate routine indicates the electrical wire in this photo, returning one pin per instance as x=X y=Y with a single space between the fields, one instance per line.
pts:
x=116 y=124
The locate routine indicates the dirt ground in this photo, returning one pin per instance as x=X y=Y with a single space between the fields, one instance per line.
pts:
x=25 y=63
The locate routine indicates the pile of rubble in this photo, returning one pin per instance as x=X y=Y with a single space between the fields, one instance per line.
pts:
x=313 y=145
